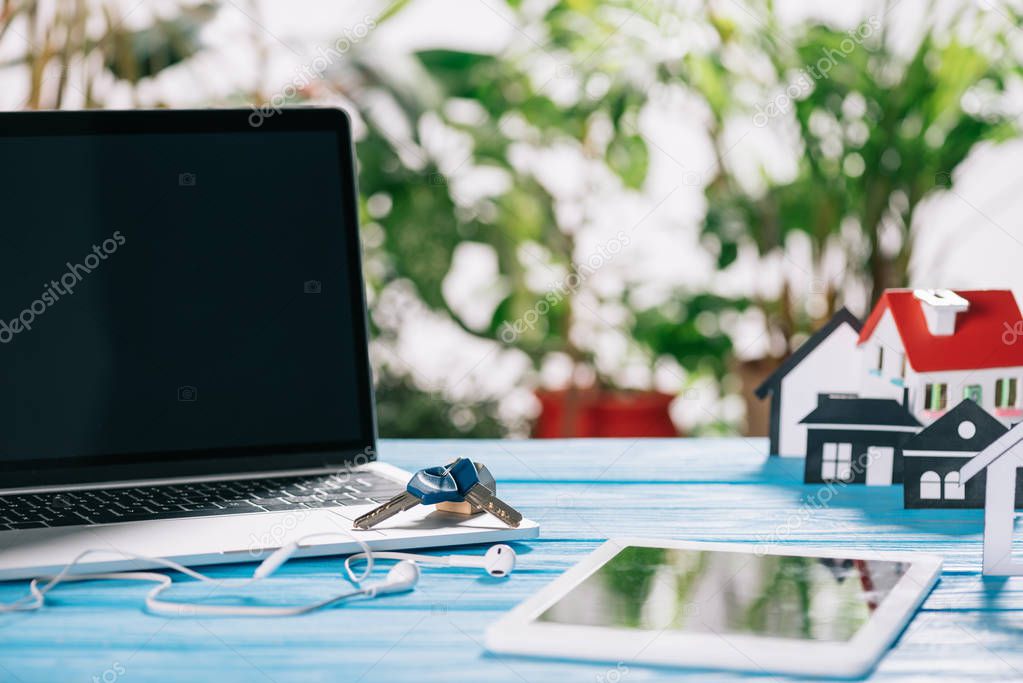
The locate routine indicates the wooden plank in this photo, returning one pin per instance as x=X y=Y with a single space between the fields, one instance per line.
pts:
x=582 y=492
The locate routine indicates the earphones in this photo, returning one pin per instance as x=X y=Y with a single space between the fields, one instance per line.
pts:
x=498 y=561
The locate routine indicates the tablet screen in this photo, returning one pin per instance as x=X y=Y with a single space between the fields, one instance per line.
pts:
x=688 y=590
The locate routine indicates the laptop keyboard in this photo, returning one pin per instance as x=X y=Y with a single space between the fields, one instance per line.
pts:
x=201 y=499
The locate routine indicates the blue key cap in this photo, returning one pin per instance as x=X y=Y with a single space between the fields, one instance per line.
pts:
x=447 y=484
x=452 y=483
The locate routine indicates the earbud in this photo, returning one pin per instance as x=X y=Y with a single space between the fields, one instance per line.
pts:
x=402 y=577
x=499 y=560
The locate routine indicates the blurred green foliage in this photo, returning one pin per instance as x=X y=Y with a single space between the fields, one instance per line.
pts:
x=65 y=35
x=879 y=131
x=876 y=132
x=406 y=412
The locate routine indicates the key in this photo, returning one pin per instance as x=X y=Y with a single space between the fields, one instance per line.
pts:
x=468 y=509
x=480 y=496
x=400 y=503
x=429 y=487
x=475 y=493
x=454 y=483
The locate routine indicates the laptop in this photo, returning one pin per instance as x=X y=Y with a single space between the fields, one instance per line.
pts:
x=183 y=344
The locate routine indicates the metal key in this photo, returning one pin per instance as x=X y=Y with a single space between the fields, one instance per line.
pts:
x=482 y=497
x=428 y=487
x=400 y=503
x=475 y=493
x=466 y=508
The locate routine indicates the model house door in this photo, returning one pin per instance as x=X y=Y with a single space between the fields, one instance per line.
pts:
x=880 y=463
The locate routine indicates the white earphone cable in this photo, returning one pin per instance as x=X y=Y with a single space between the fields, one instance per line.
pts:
x=382 y=555
x=498 y=562
x=36 y=597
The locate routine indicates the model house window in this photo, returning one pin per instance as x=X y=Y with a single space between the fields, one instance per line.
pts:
x=836 y=464
x=1005 y=393
x=953 y=489
x=880 y=359
x=973 y=392
x=930 y=486
x=935 y=396
x=902 y=366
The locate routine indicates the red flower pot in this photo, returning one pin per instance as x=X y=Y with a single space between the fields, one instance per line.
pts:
x=592 y=413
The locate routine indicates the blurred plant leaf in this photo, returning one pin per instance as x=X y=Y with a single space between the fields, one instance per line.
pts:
x=135 y=55
x=627 y=155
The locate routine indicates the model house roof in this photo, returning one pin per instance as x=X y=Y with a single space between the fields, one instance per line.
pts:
x=967 y=427
x=995 y=450
x=841 y=317
x=977 y=340
x=845 y=409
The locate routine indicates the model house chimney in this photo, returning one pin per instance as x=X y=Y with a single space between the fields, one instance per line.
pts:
x=940 y=307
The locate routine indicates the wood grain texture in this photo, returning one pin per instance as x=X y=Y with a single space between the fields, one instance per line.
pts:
x=582 y=492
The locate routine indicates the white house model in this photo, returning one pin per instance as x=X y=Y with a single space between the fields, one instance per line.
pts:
x=945 y=346
x=1002 y=460
x=826 y=363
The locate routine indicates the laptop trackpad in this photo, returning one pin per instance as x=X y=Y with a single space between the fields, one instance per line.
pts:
x=246 y=537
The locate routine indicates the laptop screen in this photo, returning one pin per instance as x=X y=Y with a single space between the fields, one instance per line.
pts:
x=163 y=293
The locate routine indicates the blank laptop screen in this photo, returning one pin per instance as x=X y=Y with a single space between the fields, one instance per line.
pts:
x=163 y=293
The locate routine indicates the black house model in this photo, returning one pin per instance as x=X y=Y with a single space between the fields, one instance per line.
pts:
x=933 y=457
x=857 y=440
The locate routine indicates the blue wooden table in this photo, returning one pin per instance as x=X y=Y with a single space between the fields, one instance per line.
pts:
x=581 y=492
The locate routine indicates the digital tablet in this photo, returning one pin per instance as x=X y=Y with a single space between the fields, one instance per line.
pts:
x=822 y=613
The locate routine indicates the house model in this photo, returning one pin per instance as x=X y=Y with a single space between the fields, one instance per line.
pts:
x=932 y=459
x=944 y=346
x=826 y=362
x=856 y=440
x=1001 y=461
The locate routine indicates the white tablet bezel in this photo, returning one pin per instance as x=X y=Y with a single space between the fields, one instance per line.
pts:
x=518 y=632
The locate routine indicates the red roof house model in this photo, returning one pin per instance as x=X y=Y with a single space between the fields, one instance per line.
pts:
x=937 y=347
x=988 y=334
